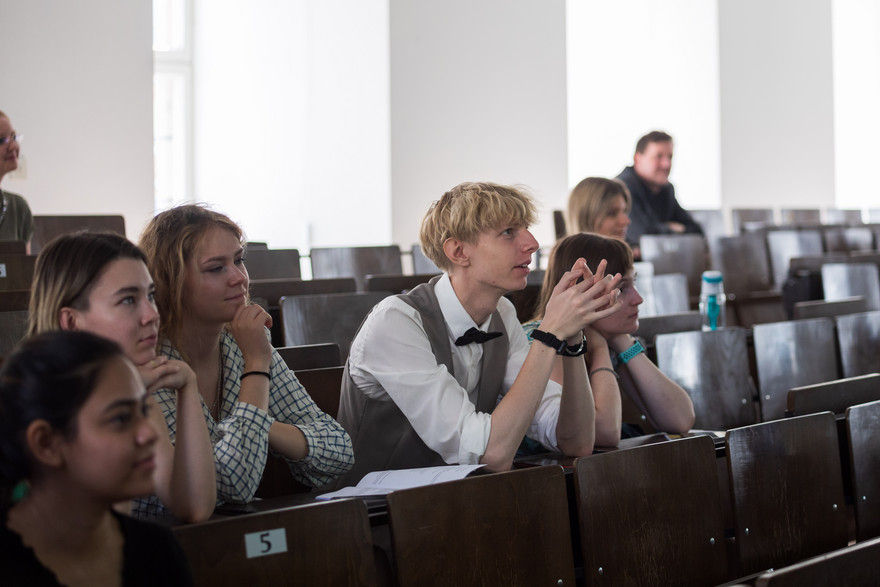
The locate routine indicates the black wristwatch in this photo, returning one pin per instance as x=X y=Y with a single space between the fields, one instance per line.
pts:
x=575 y=350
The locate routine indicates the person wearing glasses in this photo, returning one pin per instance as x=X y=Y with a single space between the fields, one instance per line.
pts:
x=16 y=221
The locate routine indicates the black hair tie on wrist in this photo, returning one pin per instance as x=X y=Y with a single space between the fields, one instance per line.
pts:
x=249 y=373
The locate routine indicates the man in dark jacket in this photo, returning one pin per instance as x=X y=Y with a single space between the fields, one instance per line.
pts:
x=654 y=207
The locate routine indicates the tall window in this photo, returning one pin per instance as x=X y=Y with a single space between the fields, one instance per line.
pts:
x=172 y=102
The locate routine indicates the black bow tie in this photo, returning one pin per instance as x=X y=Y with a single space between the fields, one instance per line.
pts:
x=475 y=335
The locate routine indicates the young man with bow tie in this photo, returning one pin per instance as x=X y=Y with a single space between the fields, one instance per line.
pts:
x=445 y=375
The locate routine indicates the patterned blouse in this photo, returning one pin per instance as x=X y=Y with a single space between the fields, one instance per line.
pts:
x=241 y=437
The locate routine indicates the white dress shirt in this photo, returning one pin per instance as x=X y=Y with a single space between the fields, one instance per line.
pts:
x=391 y=358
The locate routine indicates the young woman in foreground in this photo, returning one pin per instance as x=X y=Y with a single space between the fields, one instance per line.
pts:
x=75 y=432
x=615 y=360
x=99 y=283
x=252 y=401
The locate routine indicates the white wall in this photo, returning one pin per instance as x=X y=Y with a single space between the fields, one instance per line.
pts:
x=856 y=42
x=642 y=65
x=77 y=82
x=477 y=94
x=777 y=111
x=295 y=132
x=292 y=121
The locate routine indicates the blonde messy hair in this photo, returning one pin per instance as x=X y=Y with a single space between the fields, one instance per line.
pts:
x=468 y=210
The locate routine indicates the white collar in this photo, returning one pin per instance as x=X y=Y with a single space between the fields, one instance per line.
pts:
x=458 y=321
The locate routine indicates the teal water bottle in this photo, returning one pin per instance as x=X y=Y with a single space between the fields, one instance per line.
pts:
x=712 y=300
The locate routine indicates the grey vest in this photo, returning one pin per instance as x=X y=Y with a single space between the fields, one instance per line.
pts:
x=381 y=435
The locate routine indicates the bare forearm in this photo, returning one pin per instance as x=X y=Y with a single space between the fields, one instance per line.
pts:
x=515 y=412
x=666 y=404
x=288 y=440
x=576 y=426
x=194 y=486
x=606 y=395
x=606 y=391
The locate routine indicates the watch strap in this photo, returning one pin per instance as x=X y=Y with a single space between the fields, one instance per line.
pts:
x=627 y=355
x=560 y=346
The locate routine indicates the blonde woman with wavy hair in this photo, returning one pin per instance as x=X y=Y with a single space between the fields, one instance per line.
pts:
x=251 y=401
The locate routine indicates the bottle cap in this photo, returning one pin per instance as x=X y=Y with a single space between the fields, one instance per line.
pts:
x=712 y=283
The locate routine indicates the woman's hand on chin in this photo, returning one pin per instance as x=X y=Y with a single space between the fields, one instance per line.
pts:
x=248 y=329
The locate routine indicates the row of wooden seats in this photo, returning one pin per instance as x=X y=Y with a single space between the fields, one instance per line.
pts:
x=742 y=217
x=652 y=515
x=752 y=219
x=755 y=265
x=336 y=262
x=737 y=377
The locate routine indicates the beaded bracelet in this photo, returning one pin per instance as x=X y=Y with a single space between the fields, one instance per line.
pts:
x=249 y=373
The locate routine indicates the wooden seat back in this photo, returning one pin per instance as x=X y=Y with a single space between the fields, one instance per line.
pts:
x=741 y=216
x=323 y=386
x=844 y=280
x=651 y=326
x=676 y=253
x=713 y=367
x=273 y=263
x=801 y=216
x=872 y=256
x=858 y=337
x=396 y=284
x=787 y=491
x=792 y=354
x=320 y=544
x=272 y=290
x=636 y=513
x=833 y=396
x=311 y=356
x=326 y=318
x=829 y=309
x=559 y=229
x=268 y=292
x=13 y=327
x=848 y=238
x=782 y=245
x=670 y=292
x=849 y=217
x=357 y=262
x=421 y=264
x=502 y=529
x=17 y=271
x=853 y=566
x=813 y=263
x=712 y=223
x=48 y=227
x=863 y=430
x=13 y=248
x=14 y=300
